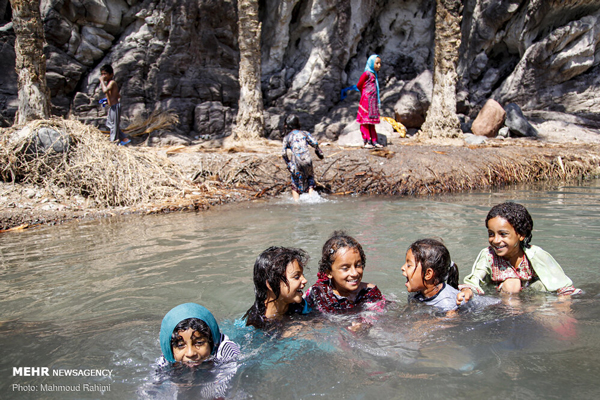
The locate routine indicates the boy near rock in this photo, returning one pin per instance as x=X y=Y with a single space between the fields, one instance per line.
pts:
x=113 y=119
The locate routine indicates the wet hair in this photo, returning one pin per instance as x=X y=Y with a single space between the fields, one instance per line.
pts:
x=197 y=325
x=107 y=68
x=432 y=253
x=291 y=122
x=337 y=241
x=270 y=267
x=517 y=216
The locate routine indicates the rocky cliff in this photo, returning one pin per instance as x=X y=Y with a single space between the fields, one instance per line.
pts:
x=183 y=55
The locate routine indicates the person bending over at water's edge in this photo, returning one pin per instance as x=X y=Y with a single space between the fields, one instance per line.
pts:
x=300 y=165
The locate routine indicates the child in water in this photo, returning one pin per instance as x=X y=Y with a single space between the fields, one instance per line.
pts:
x=431 y=274
x=189 y=334
x=300 y=166
x=278 y=285
x=339 y=287
x=510 y=262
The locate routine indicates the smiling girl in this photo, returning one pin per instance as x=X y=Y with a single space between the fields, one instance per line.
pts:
x=278 y=286
x=189 y=334
x=510 y=263
x=339 y=286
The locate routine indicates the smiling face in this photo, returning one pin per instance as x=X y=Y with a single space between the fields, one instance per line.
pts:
x=413 y=273
x=503 y=238
x=296 y=281
x=346 y=271
x=377 y=65
x=191 y=347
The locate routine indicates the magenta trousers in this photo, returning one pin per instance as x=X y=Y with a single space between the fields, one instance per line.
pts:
x=368 y=132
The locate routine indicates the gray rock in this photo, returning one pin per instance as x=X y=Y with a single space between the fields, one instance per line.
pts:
x=473 y=140
x=212 y=118
x=352 y=137
x=504 y=132
x=415 y=99
x=517 y=123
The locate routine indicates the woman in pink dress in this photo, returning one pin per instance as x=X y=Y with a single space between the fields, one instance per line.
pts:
x=368 y=108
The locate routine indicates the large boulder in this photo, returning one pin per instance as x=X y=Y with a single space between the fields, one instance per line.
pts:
x=352 y=137
x=517 y=123
x=415 y=98
x=44 y=140
x=489 y=120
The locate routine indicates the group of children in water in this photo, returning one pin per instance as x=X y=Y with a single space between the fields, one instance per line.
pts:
x=190 y=334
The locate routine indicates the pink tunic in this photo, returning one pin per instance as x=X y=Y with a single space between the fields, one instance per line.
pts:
x=368 y=108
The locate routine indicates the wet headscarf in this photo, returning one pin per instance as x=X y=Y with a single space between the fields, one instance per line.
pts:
x=371 y=68
x=180 y=313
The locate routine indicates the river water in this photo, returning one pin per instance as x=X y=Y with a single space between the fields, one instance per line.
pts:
x=90 y=297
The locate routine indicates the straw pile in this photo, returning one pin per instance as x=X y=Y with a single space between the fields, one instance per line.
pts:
x=93 y=167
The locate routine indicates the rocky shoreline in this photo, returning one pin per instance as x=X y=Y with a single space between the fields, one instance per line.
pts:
x=215 y=176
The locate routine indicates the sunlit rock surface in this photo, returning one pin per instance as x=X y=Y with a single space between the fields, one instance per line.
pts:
x=183 y=55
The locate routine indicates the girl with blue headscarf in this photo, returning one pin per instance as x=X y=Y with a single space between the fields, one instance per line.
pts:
x=190 y=334
x=368 y=108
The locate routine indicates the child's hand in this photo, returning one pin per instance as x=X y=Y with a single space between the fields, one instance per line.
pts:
x=465 y=295
x=358 y=327
x=319 y=153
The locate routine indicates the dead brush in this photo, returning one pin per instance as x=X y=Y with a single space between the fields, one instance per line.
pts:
x=93 y=167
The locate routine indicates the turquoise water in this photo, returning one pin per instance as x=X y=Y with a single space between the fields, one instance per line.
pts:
x=90 y=296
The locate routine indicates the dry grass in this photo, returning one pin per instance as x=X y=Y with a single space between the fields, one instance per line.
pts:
x=93 y=167
x=157 y=121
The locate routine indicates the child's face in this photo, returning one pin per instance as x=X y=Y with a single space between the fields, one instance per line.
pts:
x=413 y=273
x=191 y=347
x=296 y=281
x=503 y=238
x=377 y=65
x=106 y=76
x=346 y=271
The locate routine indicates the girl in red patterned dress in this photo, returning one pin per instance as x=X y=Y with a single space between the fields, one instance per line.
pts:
x=368 y=108
x=339 y=287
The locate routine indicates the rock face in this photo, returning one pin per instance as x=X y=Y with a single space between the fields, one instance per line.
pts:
x=183 y=55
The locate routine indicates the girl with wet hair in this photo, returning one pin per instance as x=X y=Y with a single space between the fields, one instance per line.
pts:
x=278 y=286
x=339 y=287
x=510 y=262
x=431 y=274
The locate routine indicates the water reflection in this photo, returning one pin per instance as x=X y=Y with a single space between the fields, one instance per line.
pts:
x=92 y=295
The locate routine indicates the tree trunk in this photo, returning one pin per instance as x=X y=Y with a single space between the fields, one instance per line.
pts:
x=34 y=96
x=250 y=123
x=441 y=119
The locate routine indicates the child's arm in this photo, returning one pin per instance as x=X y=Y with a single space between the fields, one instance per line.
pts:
x=106 y=88
x=314 y=143
x=550 y=272
x=361 y=82
x=472 y=282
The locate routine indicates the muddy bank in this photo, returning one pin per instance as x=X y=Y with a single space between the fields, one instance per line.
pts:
x=214 y=176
